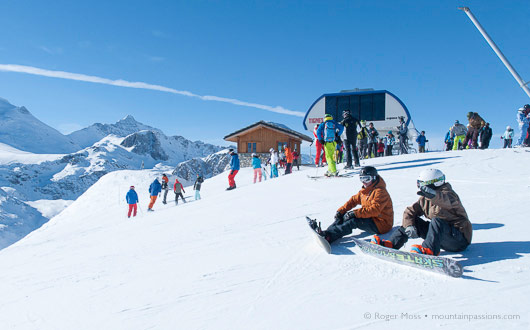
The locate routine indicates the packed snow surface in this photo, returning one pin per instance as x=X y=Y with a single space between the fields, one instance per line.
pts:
x=245 y=259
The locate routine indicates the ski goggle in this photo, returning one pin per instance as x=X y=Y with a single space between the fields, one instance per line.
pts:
x=366 y=178
x=421 y=183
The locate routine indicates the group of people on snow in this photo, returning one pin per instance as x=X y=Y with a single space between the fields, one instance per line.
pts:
x=274 y=160
x=449 y=227
x=156 y=188
x=478 y=133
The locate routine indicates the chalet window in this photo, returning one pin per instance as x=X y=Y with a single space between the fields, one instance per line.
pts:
x=251 y=147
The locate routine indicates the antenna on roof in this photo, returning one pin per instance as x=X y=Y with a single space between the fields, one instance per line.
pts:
x=356 y=90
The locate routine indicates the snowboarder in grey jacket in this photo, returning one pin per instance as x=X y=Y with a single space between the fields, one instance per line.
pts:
x=403 y=138
x=197 y=186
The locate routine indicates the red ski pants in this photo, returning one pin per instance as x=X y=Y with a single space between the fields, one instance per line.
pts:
x=231 y=176
x=320 y=150
x=132 y=209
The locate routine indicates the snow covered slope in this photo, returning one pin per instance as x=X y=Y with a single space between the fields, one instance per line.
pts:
x=245 y=259
x=21 y=130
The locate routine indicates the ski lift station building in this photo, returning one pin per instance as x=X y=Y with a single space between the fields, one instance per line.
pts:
x=375 y=106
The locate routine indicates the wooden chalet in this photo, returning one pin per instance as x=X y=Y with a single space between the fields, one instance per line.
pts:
x=261 y=136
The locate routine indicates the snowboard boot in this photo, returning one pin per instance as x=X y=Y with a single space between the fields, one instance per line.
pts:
x=416 y=248
x=150 y=210
x=383 y=242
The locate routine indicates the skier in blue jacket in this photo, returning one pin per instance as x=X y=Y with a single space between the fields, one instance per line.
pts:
x=326 y=136
x=154 y=189
x=234 y=168
x=421 y=139
x=132 y=200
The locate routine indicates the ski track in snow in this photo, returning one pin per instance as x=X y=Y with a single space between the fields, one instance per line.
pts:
x=245 y=259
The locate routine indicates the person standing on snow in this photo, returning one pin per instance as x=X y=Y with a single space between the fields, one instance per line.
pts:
x=390 y=139
x=485 y=136
x=458 y=134
x=508 y=137
x=165 y=187
x=448 y=140
x=178 y=189
x=523 y=119
x=288 y=159
x=296 y=161
x=362 y=139
x=274 y=163
x=403 y=137
x=319 y=159
x=132 y=200
x=449 y=228
x=256 y=165
x=376 y=215
x=154 y=190
x=421 y=140
x=197 y=186
x=350 y=143
x=326 y=135
x=372 y=140
x=380 y=148
x=475 y=125
x=234 y=168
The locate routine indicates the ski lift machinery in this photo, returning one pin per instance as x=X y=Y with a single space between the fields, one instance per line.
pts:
x=380 y=107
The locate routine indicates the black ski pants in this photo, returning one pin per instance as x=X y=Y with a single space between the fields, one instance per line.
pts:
x=177 y=197
x=437 y=234
x=336 y=231
x=350 y=145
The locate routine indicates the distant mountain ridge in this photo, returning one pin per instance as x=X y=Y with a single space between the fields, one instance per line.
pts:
x=88 y=136
x=20 y=129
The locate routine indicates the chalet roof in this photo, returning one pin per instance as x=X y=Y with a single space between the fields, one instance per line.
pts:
x=274 y=126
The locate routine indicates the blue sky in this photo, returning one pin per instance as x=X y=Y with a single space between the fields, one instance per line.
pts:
x=271 y=53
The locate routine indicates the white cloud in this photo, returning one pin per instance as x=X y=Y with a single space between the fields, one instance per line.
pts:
x=141 y=85
x=51 y=50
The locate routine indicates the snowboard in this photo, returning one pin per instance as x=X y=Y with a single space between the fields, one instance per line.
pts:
x=436 y=264
x=321 y=240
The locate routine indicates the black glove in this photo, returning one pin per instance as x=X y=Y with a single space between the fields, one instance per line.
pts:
x=349 y=215
x=339 y=218
x=322 y=142
x=427 y=192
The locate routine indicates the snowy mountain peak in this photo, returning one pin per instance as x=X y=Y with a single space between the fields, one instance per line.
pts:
x=21 y=130
x=5 y=105
x=129 y=119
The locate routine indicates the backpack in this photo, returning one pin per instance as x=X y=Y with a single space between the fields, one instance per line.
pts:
x=329 y=131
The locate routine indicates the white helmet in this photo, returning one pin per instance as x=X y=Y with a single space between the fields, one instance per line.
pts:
x=271 y=149
x=521 y=109
x=508 y=128
x=253 y=155
x=431 y=177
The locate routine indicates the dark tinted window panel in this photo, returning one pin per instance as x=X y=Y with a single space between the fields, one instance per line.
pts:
x=379 y=106
x=366 y=107
x=343 y=104
x=355 y=106
x=331 y=105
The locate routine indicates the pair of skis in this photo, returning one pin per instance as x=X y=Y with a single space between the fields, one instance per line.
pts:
x=436 y=264
x=345 y=174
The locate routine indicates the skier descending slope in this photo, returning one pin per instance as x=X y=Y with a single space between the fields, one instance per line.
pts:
x=154 y=189
x=132 y=200
x=234 y=168
x=449 y=228
x=376 y=214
